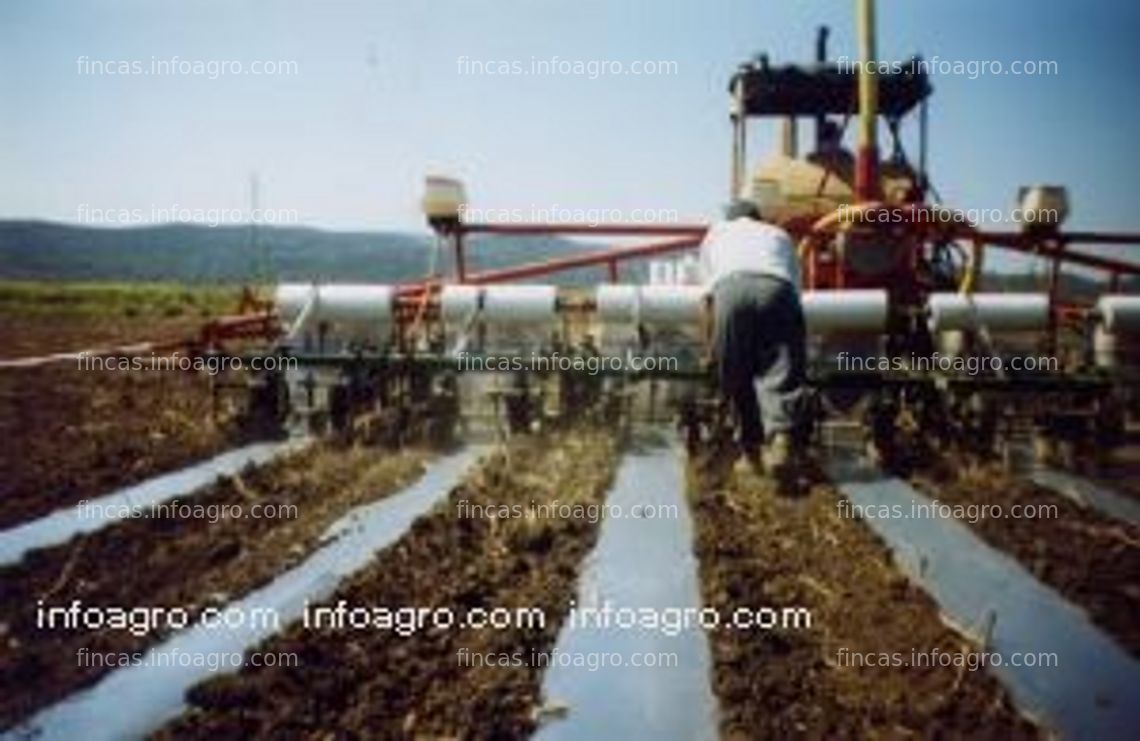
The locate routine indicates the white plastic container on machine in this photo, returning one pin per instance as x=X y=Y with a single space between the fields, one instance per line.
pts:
x=840 y=311
x=1116 y=337
x=520 y=305
x=348 y=313
x=499 y=305
x=459 y=304
x=669 y=305
x=1119 y=314
x=826 y=312
x=994 y=312
x=499 y=317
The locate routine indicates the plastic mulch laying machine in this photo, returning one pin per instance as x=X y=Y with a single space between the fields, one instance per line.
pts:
x=904 y=338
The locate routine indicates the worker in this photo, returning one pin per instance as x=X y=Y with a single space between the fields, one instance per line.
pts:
x=831 y=155
x=759 y=337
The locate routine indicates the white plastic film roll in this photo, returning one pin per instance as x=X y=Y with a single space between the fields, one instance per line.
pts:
x=520 y=304
x=291 y=299
x=828 y=312
x=650 y=304
x=350 y=311
x=458 y=303
x=501 y=305
x=355 y=305
x=671 y=304
x=1119 y=313
x=996 y=312
x=617 y=303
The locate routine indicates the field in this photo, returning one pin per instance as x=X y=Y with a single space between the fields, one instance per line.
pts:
x=75 y=435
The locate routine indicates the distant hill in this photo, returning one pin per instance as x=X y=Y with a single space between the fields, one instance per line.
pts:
x=191 y=253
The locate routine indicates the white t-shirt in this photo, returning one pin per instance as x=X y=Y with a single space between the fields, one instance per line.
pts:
x=748 y=246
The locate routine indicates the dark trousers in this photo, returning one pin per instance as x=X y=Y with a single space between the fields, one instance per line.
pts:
x=760 y=345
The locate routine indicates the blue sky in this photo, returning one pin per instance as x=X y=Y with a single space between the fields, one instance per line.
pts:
x=378 y=101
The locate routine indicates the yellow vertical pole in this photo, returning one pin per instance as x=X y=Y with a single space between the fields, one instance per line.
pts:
x=867 y=154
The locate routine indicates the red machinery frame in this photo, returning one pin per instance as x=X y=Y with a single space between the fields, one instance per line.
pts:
x=680 y=237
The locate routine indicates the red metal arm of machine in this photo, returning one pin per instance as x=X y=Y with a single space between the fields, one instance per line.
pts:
x=263 y=323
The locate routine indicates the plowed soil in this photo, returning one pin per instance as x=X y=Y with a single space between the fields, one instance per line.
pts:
x=373 y=683
x=177 y=562
x=71 y=434
x=758 y=549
